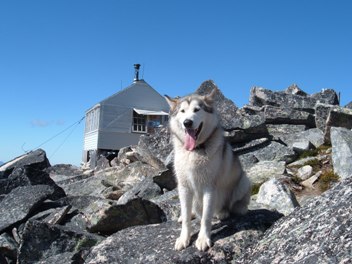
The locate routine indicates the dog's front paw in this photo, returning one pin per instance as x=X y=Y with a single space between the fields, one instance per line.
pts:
x=182 y=242
x=203 y=242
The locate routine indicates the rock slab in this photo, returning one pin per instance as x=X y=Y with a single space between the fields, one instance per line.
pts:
x=20 y=202
x=341 y=140
x=319 y=232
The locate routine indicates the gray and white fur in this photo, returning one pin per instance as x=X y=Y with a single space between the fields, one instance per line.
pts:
x=210 y=178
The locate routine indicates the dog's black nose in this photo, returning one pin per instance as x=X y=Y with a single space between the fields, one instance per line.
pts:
x=188 y=123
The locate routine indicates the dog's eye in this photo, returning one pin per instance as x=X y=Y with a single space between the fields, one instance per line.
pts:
x=196 y=109
x=182 y=110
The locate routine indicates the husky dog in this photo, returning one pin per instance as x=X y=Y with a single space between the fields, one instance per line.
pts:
x=210 y=178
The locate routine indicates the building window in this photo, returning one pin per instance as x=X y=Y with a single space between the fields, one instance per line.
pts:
x=92 y=120
x=139 y=123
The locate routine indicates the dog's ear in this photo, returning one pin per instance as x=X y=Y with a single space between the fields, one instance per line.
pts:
x=171 y=101
x=209 y=98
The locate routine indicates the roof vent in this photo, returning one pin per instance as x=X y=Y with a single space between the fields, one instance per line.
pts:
x=136 y=72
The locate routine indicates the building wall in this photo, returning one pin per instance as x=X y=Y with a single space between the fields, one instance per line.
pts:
x=115 y=141
x=91 y=140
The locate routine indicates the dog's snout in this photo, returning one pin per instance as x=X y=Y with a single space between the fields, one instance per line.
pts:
x=188 y=123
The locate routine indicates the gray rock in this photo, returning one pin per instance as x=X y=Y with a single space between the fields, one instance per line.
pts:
x=326 y=96
x=128 y=175
x=341 y=140
x=91 y=186
x=223 y=106
x=251 y=110
x=166 y=180
x=302 y=145
x=146 y=189
x=155 y=243
x=305 y=172
x=248 y=160
x=102 y=163
x=246 y=128
x=107 y=217
x=309 y=183
x=314 y=135
x=338 y=117
x=319 y=232
x=52 y=215
x=277 y=195
x=285 y=115
x=275 y=152
x=260 y=96
x=250 y=146
x=321 y=114
x=302 y=162
x=64 y=169
x=8 y=247
x=28 y=175
x=36 y=160
x=170 y=204
x=157 y=145
x=294 y=89
x=20 y=202
x=278 y=130
x=265 y=170
x=43 y=243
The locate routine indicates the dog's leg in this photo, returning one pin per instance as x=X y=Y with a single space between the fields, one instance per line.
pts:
x=203 y=240
x=186 y=197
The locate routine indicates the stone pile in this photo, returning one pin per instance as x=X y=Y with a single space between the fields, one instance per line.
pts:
x=293 y=146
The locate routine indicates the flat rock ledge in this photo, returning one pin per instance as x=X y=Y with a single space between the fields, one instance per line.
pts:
x=155 y=243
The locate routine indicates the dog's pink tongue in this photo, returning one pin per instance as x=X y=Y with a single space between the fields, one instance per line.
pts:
x=190 y=142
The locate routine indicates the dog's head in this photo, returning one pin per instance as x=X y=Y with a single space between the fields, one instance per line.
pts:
x=192 y=118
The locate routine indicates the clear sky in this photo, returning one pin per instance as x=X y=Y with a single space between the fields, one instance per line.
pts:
x=59 y=58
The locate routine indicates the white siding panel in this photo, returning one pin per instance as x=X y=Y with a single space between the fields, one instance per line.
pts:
x=111 y=140
x=91 y=140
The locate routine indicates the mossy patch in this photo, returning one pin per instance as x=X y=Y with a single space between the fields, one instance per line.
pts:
x=256 y=187
x=308 y=153
x=327 y=179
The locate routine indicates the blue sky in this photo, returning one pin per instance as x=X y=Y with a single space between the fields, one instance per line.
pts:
x=58 y=58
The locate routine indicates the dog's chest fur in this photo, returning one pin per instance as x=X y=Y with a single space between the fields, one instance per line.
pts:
x=195 y=168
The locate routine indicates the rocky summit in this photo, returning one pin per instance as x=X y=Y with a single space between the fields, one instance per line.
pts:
x=295 y=147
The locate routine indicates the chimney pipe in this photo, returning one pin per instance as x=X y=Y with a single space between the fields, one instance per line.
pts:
x=136 y=72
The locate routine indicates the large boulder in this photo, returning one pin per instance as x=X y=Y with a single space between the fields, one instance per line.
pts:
x=265 y=170
x=36 y=160
x=45 y=243
x=321 y=114
x=20 y=202
x=276 y=195
x=246 y=128
x=107 y=217
x=260 y=97
x=319 y=232
x=313 y=135
x=224 y=106
x=338 y=117
x=341 y=140
x=285 y=115
x=275 y=151
x=155 y=243
x=27 y=175
x=146 y=189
